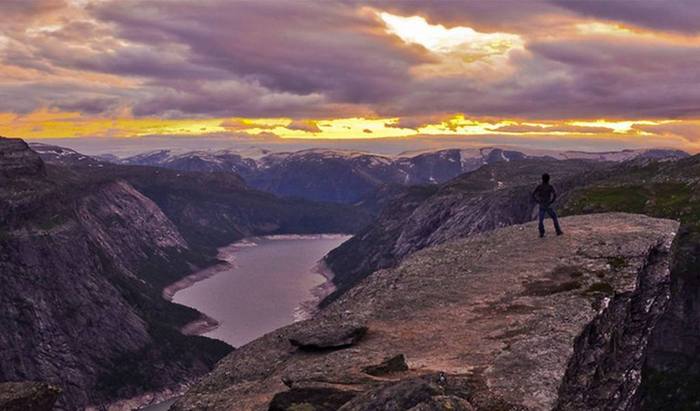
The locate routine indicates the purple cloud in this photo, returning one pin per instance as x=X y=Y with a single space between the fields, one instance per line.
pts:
x=335 y=59
x=671 y=15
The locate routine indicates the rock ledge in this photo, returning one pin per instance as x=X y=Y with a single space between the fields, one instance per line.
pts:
x=518 y=321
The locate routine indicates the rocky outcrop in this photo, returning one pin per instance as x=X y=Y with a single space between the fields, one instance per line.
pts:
x=28 y=396
x=491 y=197
x=79 y=309
x=328 y=336
x=17 y=160
x=500 y=320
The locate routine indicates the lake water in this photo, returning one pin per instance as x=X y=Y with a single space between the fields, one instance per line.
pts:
x=269 y=285
x=265 y=289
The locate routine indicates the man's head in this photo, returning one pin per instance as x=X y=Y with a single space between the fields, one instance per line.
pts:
x=545 y=178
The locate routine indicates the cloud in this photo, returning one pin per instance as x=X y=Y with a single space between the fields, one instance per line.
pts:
x=527 y=128
x=304 y=125
x=324 y=60
x=419 y=121
x=671 y=15
x=327 y=48
x=687 y=130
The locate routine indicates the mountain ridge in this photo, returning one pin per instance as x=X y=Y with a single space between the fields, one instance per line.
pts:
x=314 y=173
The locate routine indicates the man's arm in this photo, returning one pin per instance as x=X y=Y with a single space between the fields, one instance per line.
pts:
x=554 y=195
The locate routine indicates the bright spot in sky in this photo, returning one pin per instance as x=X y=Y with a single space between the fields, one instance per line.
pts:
x=439 y=39
x=617 y=126
x=602 y=28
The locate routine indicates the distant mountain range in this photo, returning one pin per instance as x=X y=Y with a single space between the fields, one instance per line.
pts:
x=350 y=176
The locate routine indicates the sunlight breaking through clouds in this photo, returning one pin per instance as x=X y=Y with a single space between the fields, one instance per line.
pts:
x=129 y=68
x=439 y=39
x=457 y=50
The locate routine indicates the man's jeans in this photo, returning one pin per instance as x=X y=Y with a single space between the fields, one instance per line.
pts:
x=548 y=210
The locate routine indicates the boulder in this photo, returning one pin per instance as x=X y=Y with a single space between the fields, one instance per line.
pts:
x=328 y=336
x=394 y=364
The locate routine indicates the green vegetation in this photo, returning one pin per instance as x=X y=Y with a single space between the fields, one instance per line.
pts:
x=675 y=200
x=617 y=263
x=548 y=287
x=600 y=287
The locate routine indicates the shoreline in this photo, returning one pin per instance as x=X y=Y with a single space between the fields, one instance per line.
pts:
x=226 y=256
x=309 y=308
x=201 y=326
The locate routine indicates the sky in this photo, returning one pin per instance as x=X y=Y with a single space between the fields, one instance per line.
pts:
x=581 y=74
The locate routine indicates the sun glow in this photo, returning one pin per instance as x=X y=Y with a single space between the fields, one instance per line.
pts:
x=439 y=39
x=618 y=126
x=56 y=124
x=456 y=51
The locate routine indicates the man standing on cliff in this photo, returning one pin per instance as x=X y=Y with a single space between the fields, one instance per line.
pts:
x=544 y=195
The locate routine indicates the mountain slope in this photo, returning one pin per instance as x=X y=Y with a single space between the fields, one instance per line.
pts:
x=85 y=250
x=498 y=321
x=211 y=209
x=75 y=307
x=493 y=196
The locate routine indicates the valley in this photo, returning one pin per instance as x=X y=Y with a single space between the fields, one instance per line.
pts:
x=268 y=283
x=169 y=253
x=86 y=252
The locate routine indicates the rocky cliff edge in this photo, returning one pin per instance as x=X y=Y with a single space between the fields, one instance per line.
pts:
x=500 y=321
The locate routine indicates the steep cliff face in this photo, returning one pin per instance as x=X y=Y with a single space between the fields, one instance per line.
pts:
x=501 y=320
x=76 y=309
x=85 y=250
x=490 y=197
x=672 y=189
x=16 y=160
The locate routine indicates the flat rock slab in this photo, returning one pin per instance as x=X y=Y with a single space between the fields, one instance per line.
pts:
x=503 y=308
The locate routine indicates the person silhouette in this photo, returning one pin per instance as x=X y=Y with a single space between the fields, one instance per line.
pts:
x=544 y=195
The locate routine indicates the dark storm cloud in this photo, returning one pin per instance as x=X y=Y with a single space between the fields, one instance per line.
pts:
x=24 y=98
x=672 y=15
x=335 y=59
x=288 y=46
